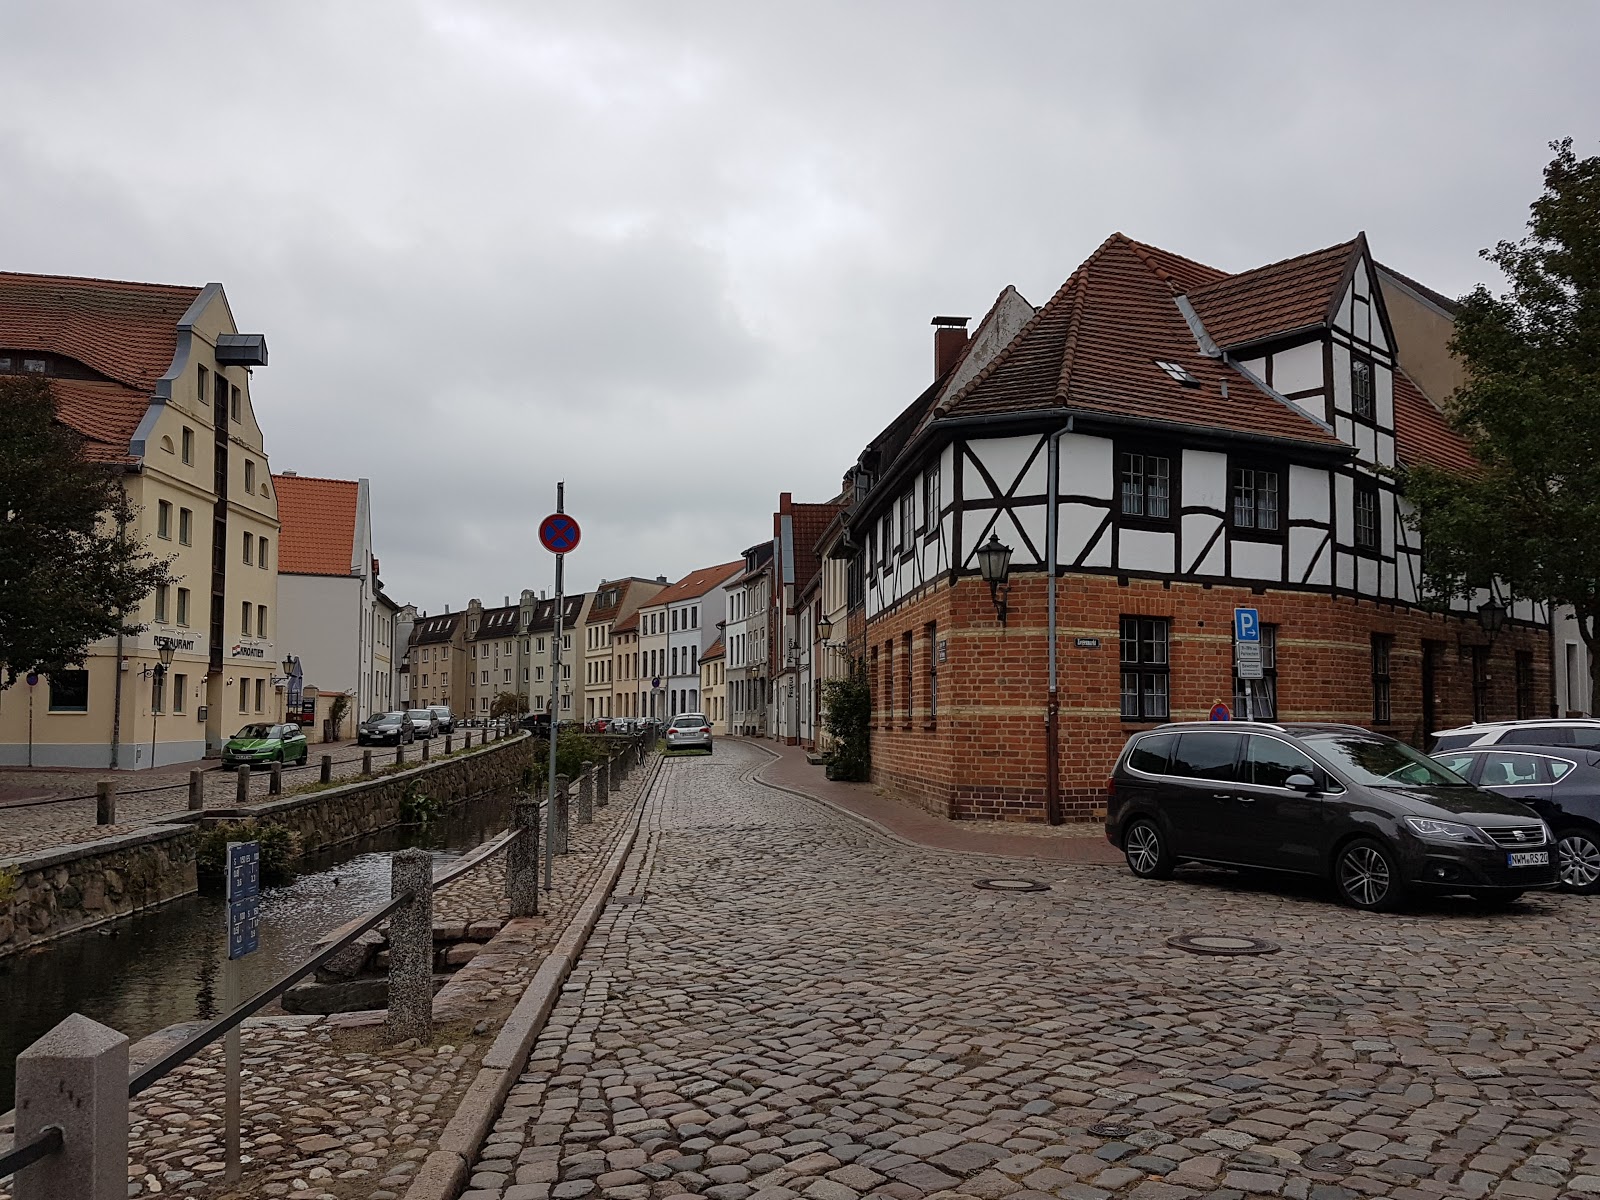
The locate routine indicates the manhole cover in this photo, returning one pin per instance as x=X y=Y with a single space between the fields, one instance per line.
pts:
x=1222 y=943
x=1012 y=885
x=1108 y=1130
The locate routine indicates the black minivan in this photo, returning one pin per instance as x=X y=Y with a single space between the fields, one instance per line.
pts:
x=1376 y=817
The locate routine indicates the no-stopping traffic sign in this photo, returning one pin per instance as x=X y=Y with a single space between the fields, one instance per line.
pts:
x=559 y=534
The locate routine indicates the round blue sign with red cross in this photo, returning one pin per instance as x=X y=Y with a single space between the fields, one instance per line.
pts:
x=558 y=533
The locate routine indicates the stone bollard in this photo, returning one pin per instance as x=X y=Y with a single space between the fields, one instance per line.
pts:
x=275 y=781
x=522 y=859
x=76 y=1078
x=410 y=949
x=105 y=803
x=586 y=794
x=602 y=783
x=399 y=752
x=449 y=739
x=197 y=791
x=467 y=744
x=366 y=763
x=558 y=839
x=241 y=784
x=425 y=744
x=326 y=774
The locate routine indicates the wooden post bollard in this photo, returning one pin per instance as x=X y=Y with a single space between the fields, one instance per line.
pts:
x=275 y=781
x=410 y=949
x=366 y=763
x=449 y=738
x=558 y=840
x=197 y=791
x=399 y=752
x=76 y=1078
x=467 y=744
x=426 y=742
x=586 y=795
x=602 y=783
x=241 y=785
x=522 y=859
x=326 y=774
x=105 y=803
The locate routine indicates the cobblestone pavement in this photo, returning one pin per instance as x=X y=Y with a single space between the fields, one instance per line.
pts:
x=328 y=1111
x=781 y=1002
x=36 y=827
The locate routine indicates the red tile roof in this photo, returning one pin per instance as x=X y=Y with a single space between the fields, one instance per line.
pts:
x=1423 y=434
x=1095 y=346
x=810 y=522
x=628 y=624
x=105 y=414
x=716 y=651
x=1297 y=293
x=125 y=331
x=695 y=583
x=318 y=517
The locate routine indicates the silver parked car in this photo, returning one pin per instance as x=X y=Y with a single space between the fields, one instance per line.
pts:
x=689 y=731
x=1583 y=732
x=424 y=722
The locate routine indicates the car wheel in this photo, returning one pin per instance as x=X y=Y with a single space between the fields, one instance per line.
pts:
x=1145 y=848
x=1367 y=876
x=1578 y=853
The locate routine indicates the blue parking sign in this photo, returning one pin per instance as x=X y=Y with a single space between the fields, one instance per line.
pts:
x=1246 y=625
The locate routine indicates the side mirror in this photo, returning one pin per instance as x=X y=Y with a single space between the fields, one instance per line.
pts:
x=1301 y=782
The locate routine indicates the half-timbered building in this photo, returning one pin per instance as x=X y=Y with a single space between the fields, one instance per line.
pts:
x=1216 y=441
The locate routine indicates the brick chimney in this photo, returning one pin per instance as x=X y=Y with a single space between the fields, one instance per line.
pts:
x=949 y=340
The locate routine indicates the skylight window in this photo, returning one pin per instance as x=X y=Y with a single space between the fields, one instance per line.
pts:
x=1178 y=372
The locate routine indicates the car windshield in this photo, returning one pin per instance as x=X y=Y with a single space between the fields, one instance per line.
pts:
x=1382 y=762
x=386 y=719
x=420 y=714
x=256 y=733
x=688 y=721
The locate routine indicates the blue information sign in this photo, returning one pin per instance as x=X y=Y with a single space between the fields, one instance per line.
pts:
x=244 y=898
x=1246 y=625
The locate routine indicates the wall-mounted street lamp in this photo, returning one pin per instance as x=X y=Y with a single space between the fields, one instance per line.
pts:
x=994 y=564
x=824 y=629
x=1492 y=616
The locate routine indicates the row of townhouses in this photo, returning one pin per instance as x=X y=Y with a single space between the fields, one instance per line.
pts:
x=276 y=609
x=1109 y=476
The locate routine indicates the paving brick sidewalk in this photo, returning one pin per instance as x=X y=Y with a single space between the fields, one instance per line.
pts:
x=789 y=1004
x=791 y=771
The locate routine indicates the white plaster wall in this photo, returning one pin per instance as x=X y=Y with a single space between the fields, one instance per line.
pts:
x=1086 y=467
x=321 y=620
x=1197 y=530
x=1297 y=369
x=1257 y=560
x=1308 y=494
x=1145 y=550
x=1205 y=479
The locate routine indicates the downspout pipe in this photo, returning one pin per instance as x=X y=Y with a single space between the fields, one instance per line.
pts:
x=1052 y=712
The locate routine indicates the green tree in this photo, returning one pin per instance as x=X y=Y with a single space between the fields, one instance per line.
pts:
x=509 y=704
x=68 y=571
x=1530 y=516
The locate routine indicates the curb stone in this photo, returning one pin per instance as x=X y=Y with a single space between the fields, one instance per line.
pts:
x=445 y=1170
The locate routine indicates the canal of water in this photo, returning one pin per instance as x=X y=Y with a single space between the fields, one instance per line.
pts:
x=160 y=967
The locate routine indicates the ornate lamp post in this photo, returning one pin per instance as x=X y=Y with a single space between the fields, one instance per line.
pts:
x=994 y=564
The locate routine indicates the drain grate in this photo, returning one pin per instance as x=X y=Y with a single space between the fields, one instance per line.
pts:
x=626 y=899
x=1222 y=943
x=1107 y=1129
x=1011 y=885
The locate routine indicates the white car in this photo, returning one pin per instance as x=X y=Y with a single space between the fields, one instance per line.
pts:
x=1539 y=731
x=689 y=731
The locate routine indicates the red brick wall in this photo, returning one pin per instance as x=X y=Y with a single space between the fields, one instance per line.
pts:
x=982 y=755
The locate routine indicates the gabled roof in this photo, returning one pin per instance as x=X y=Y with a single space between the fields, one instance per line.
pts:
x=318 y=519
x=810 y=521
x=495 y=623
x=1423 y=434
x=615 y=593
x=628 y=624
x=432 y=630
x=543 y=619
x=695 y=583
x=716 y=651
x=1095 y=347
x=1279 y=298
x=125 y=331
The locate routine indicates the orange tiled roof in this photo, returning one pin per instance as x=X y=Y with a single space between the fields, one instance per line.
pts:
x=716 y=651
x=695 y=583
x=1297 y=293
x=105 y=414
x=318 y=519
x=810 y=521
x=125 y=331
x=1094 y=346
x=629 y=624
x=1423 y=434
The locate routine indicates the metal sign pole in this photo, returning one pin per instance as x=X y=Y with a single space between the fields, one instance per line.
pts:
x=230 y=1001
x=555 y=708
x=244 y=916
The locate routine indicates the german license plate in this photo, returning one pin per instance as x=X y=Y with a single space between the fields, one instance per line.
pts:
x=1528 y=858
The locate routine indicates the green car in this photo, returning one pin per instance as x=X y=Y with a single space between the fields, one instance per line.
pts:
x=266 y=744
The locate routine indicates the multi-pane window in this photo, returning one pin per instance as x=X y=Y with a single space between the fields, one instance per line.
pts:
x=249 y=547
x=180 y=685
x=261 y=620
x=907 y=519
x=261 y=694
x=885 y=538
x=247 y=610
x=183 y=606
x=163 y=519
x=1361 y=402
x=161 y=602
x=1480 y=683
x=1382 y=685
x=244 y=695
x=188 y=457
x=931 y=501
x=249 y=476
x=186 y=526
x=234 y=411
x=69 y=691
x=1366 y=508
x=1146 y=486
x=1255 y=499
x=261 y=553
x=1257 y=699
x=1524 y=684
x=1145 y=682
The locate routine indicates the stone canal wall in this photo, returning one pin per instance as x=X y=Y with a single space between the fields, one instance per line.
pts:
x=49 y=893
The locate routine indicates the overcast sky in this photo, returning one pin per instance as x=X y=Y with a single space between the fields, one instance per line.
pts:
x=684 y=255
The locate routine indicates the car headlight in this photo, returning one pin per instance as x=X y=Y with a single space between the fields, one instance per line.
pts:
x=1442 y=831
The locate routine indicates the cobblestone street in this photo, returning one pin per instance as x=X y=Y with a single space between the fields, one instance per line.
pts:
x=779 y=1001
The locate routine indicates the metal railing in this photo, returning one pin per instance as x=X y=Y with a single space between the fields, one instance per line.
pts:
x=49 y=1140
